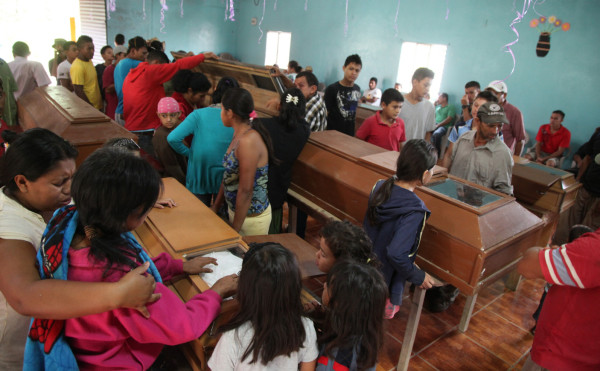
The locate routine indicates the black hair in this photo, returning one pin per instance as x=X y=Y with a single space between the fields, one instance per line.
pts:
x=158 y=56
x=9 y=136
x=561 y=113
x=354 y=58
x=32 y=154
x=20 y=49
x=422 y=73
x=415 y=158
x=104 y=48
x=295 y=67
x=311 y=79
x=156 y=45
x=445 y=95
x=577 y=231
x=240 y=102
x=354 y=320
x=222 y=86
x=84 y=39
x=187 y=79
x=373 y=79
x=127 y=143
x=136 y=43
x=291 y=113
x=110 y=186
x=119 y=39
x=66 y=46
x=488 y=96
x=269 y=295
x=348 y=241
x=472 y=84
x=391 y=95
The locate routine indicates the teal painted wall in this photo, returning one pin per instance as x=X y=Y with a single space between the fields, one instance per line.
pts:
x=475 y=33
x=202 y=27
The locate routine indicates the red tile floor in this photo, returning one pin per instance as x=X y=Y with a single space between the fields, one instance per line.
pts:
x=498 y=336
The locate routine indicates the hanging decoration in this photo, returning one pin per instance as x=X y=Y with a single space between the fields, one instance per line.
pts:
x=275 y=5
x=260 y=23
x=396 y=19
x=305 y=5
x=231 y=11
x=111 y=6
x=447 y=9
x=346 y=23
x=518 y=19
x=163 y=9
x=181 y=9
x=144 y=8
x=547 y=26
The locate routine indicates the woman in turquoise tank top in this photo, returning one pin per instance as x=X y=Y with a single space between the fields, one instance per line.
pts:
x=246 y=164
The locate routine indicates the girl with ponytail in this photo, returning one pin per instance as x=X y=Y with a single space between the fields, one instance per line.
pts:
x=395 y=220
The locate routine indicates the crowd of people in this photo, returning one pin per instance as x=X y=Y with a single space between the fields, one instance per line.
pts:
x=105 y=311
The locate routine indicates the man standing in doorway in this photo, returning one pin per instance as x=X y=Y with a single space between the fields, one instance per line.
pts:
x=418 y=113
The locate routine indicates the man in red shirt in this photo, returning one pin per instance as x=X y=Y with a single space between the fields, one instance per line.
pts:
x=385 y=129
x=566 y=335
x=552 y=141
x=143 y=88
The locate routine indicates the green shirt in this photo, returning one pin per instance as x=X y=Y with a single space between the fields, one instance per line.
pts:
x=441 y=113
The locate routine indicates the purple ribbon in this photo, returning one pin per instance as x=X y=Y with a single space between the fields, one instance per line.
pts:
x=346 y=23
x=260 y=23
x=518 y=19
x=164 y=7
x=305 y=5
x=396 y=19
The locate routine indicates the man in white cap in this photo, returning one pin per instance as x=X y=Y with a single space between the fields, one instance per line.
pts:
x=480 y=156
x=514 y=131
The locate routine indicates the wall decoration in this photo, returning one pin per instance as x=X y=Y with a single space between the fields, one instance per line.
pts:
x=547 y=26
x=163 y=9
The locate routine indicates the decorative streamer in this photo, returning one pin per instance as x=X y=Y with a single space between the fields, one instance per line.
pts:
x=518 y=19
x=447 y=8
x=346 y=23
x=396 y=19
x=181 y=8
x=164 y=7
x=226 y=9
x=275 y=5
x=260 y=23
x=111 y=6
x=540 y=3
x=231 y=11
x=305 y=5
x=144 y=8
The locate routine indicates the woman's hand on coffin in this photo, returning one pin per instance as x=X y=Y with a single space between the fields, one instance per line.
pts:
x=226 y=286
x=198 y=265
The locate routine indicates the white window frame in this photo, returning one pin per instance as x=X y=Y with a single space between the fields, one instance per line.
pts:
x=277 y=50
x=414 y=55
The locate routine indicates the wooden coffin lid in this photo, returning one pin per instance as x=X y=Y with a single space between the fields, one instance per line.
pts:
x=532 y=180
x=485 y=226
x=57 y=109
x=386 y=163
x=254 y=78
x=191 y=225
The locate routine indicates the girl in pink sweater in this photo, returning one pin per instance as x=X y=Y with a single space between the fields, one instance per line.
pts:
x=113 y=193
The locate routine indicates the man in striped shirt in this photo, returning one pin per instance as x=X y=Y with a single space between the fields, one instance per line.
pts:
x=566 y=336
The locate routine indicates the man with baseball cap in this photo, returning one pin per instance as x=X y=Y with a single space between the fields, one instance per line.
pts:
x=514 y=131
x=480 y=156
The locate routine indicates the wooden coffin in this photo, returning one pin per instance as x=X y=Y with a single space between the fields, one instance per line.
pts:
x=64 y=113
x=545 y=191
x=256 y=79
x=474 y=235
x=544 y=187
x=191 y=229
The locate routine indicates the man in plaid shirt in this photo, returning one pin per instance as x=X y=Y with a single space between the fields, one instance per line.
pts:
x=316 y=113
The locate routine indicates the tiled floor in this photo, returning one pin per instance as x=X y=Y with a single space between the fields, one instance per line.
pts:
x=498 y=336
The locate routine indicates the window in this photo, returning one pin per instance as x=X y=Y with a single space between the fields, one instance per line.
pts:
x=278 y=48
x=415 y=55
x=93 y=24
